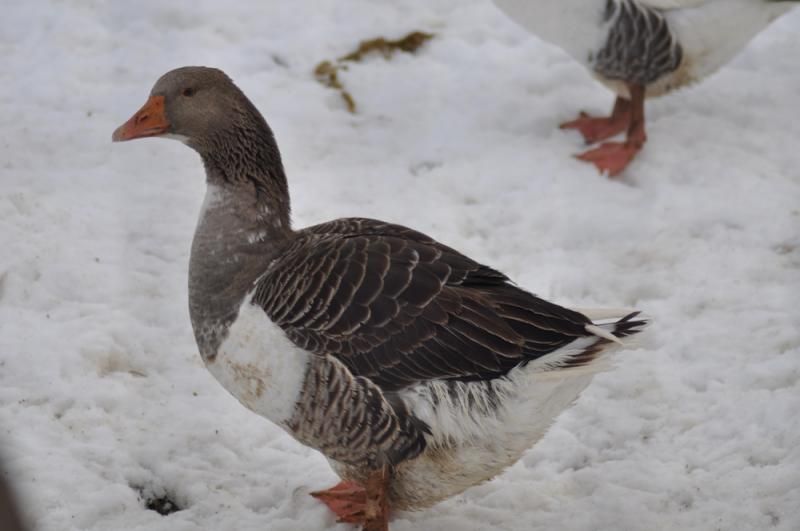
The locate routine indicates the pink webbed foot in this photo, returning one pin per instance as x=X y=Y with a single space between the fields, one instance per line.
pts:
x=611 y=157
x=595 y=129
x=347 y=501
x=361 y=505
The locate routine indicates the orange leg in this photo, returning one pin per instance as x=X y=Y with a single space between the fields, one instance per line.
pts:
x=613 y=157
x=376 y=510
x=361 y=505
x=595 y=128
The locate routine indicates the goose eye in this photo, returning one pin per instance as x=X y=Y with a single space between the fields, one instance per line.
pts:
x=188 y=92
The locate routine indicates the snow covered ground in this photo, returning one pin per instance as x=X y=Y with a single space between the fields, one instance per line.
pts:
x=104 y=400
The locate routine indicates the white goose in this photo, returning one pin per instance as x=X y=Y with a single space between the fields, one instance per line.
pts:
x=640 y=49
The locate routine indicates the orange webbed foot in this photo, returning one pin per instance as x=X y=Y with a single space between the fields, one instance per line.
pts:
x=611 y=157
x=347 y=501
x=595 y=129
x=360 y=505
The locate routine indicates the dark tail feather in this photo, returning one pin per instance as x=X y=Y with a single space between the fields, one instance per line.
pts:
x=629 y=325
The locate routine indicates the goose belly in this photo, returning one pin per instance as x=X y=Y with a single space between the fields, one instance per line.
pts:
x=478 y=430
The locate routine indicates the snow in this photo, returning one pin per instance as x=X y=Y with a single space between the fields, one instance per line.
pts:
x=104 y=398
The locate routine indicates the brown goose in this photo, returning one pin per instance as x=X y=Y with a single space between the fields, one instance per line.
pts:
x=417 y=371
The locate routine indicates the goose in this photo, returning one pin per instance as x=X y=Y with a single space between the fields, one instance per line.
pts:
x=641 y=49
x=417 y=371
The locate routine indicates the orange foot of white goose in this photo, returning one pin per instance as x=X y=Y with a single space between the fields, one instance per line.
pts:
x=597 y=128
x=613 y=157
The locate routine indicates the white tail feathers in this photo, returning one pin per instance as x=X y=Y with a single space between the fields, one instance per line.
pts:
x=605 y=334
x=613 y=324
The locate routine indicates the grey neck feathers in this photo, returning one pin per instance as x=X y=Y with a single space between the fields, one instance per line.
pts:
x=242 y=226
x=245 y=155
x=231 y=248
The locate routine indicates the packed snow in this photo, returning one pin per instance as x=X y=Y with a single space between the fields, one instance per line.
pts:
x=105 y=406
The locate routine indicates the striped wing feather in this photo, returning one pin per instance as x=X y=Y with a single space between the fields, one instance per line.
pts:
x=640 y=47
x=399 y=308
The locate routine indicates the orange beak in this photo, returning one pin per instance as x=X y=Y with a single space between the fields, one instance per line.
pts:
x=148 y=121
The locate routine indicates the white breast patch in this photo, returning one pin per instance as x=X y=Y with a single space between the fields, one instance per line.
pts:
x=260 y=366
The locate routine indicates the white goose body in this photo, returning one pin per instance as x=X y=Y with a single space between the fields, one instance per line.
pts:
x=641 y=49
x=709 y=32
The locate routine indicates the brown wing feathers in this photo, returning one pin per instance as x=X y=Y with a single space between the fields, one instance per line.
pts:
x=398 y=308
